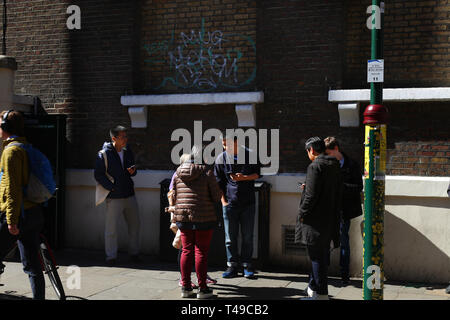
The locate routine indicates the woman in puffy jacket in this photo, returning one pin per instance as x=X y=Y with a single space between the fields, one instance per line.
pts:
x=196 y=193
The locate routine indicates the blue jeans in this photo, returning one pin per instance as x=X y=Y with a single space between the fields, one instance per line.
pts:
x=345 y=249
x=233 y=217
x=319 y=254
x=30 y=224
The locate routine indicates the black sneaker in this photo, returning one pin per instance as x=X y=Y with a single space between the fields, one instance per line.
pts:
x=345 y=281
x=231 y=272
x=187 y=292
x=204 y=293
x=111 y=262
x=136 y=259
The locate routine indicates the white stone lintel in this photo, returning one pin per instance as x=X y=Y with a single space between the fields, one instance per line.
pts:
x=244 y=104
x=349 y=99
x=395 y=95
x=193 y=99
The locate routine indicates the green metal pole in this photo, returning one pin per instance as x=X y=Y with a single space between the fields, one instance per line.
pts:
x=375 y=118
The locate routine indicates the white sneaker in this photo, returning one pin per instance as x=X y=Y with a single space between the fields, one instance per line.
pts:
x=311 y=292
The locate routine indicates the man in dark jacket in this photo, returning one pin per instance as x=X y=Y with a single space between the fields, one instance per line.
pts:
x=121 y=199
x=319 y=213
x=351 y=200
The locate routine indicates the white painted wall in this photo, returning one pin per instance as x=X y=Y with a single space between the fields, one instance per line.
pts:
x=417 y=223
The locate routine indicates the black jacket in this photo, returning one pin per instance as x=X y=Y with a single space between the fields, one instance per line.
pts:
x=353 y=185
x=123 y=186
x=320 y=205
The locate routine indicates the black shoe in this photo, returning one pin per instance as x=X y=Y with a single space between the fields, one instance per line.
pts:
x=231 y=272
x=187 y=292
x=204 y=293
x=447 y=291
x=345 y=281
x=136 y=259
x=111 y=262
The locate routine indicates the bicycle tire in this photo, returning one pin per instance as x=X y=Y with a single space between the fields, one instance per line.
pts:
x=51 y=270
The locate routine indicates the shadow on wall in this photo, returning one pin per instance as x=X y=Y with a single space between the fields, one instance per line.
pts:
x=410 y=256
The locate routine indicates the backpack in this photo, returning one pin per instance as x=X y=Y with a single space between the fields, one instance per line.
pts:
x=41 y=184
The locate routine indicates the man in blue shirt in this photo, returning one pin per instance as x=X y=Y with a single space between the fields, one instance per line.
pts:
x=238 y=204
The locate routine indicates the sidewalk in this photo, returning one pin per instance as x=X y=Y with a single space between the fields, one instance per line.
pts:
x=155 y=280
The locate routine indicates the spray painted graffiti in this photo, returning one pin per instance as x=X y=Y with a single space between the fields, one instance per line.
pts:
x=203 y=60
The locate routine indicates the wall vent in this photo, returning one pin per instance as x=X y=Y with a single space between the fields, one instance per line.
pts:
x=289 y=246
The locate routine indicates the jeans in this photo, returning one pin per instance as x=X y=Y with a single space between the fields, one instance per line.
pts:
x=345 y=249
x=30 y=225
x=233 y=217
x=129 y=208
x=319 y=255
x=195 y=242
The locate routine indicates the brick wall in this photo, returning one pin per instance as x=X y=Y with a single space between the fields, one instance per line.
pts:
x=300 y=50
x=416 y=43
x=294 y=51
x=198 y=46
x=81 y=73
x=417 y=54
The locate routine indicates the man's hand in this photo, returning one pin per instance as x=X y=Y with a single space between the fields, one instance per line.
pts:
x=13 y=229
x=132 y=170
x=238 y=177
x=224 y=202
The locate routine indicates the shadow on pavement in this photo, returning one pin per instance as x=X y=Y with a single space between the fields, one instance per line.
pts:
x=6 y=296
x=240 y=292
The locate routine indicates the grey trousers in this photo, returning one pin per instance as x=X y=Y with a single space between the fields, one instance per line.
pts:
x=114 y=208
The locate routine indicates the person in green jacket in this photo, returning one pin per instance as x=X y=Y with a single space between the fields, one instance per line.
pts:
x=20 y=219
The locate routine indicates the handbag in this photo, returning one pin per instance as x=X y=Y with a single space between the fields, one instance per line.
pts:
x=100 y=192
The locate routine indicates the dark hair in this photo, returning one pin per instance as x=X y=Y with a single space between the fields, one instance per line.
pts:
x=13 y=123
x=331 y=142
x=114 y=132
x=316 y=143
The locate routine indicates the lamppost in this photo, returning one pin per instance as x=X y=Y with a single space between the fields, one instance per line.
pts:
x=375 y=120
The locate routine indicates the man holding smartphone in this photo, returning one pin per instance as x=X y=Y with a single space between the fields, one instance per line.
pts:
x=236 y=181
x=120 y=166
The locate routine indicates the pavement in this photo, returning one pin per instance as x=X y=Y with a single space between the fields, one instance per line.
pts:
x=156 y=280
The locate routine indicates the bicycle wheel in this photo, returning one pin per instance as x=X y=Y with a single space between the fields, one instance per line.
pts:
x=50 y=269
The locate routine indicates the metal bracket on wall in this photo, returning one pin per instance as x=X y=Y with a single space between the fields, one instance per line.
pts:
x=138 y=116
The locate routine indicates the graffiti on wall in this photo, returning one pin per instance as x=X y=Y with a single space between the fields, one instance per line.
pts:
x=203 y=60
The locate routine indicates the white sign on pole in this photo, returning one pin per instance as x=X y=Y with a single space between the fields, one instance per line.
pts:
x=375 y=70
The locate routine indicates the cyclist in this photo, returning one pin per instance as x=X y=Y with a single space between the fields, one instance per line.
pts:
x=20 y=220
